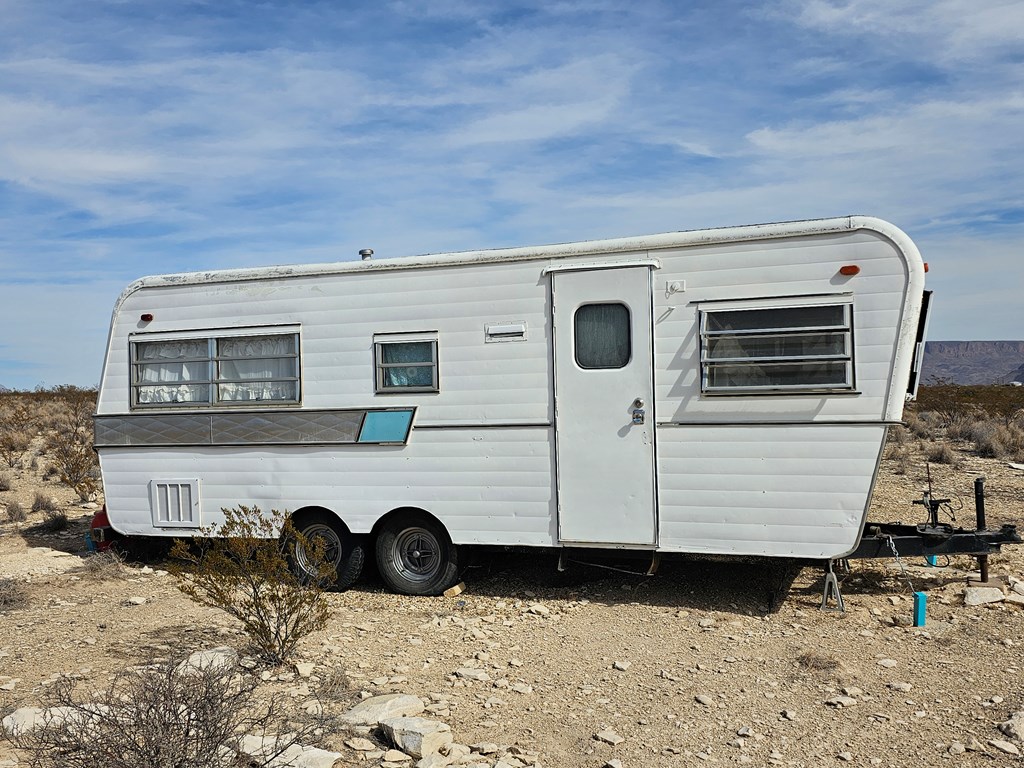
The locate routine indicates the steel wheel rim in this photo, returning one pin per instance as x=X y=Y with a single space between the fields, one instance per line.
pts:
x=332 y=547
x=418 y=554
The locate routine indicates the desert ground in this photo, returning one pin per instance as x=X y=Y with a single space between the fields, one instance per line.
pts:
x=591 y=667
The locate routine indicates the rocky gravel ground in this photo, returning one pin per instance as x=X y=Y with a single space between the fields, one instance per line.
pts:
x=596 y=667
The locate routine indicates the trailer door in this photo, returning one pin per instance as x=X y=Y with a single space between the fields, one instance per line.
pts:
x=604 y=399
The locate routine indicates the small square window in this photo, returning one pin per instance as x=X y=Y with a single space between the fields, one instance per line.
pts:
x=406 y=366
x=602 y=336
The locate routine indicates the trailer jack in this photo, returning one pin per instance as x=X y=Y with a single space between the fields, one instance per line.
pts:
x=832 y=592
x=927 y=540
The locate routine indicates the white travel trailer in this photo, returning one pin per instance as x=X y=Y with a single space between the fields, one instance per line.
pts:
x=722 y=392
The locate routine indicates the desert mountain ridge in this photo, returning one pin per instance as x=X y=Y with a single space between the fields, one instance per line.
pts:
x=973 y=362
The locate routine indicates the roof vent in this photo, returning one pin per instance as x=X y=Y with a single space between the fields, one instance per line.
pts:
x=366 y=253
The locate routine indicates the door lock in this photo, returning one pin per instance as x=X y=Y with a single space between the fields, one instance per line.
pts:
x=639 y=414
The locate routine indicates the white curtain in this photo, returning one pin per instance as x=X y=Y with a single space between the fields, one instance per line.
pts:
x=253 y=368
x=167 y=367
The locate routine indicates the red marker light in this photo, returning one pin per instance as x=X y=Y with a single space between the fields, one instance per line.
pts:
x=146 y=317
x=849 y=270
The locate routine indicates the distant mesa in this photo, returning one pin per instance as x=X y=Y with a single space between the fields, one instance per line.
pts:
x=973 y=362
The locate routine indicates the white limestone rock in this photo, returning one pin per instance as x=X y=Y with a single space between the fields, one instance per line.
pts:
x=983 y=595
x=295 y=756
x=377 y=708
x=417 y=736
x=216 y=659
x=1014 y=727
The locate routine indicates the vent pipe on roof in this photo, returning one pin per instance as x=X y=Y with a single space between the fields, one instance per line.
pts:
x=366 y=253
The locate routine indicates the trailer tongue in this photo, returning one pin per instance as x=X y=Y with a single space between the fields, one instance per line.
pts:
x=929 y=540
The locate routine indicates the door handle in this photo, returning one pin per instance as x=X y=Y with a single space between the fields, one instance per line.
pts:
x=639 y=414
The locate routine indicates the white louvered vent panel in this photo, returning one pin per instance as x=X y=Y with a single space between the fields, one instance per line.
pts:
x=175 y=503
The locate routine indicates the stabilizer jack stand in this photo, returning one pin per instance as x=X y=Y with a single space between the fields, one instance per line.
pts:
x=832 y=592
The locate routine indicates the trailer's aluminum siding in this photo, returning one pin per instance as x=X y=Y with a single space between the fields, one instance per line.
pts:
x=488 y=486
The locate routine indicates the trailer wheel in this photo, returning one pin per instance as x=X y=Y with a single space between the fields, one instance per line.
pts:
x=347 y=553
x=415 y=556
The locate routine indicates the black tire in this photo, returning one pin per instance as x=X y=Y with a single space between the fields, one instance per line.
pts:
x=347 y=553
x=415 y=556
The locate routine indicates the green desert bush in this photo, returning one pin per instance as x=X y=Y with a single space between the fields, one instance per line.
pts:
x=73 y=460
x=243 y=567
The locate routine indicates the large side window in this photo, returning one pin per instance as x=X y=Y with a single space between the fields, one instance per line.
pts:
x=406 y=365
x=777 y=349
x=252 y=369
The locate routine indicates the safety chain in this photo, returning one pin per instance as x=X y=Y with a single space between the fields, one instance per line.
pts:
x=899 y=561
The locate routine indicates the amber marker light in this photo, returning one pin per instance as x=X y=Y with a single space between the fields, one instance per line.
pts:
x=926 y=266
x=849 y=270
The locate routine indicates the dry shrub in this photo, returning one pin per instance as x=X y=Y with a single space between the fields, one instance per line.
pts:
x=74 y=461
x=246 y=572
x=995 y=440
x=43 y=503
x=14 y=445
x=12 y=595
x=101 y=566
x=69 y=444
x=818 y=662
x=335 y=685
x=900 y=456
x=49 y=413
x=951 y=401
x=898 y=434
x=54 y=521
x=961 y=428
x=15 y=512
x=941 y=453
x=919 y=425
x=164 y=716
x=6 y=481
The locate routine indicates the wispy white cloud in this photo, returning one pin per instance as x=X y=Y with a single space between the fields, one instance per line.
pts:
x=139 y=137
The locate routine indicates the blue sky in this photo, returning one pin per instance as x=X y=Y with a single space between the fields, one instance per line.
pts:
x=157 y=136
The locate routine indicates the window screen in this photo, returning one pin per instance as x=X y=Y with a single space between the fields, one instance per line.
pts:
x=406 y=366
x=250 y=369
x=602 y=334
x=777 y=349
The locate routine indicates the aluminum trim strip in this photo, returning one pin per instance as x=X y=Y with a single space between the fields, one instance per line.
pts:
x=340 y=427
